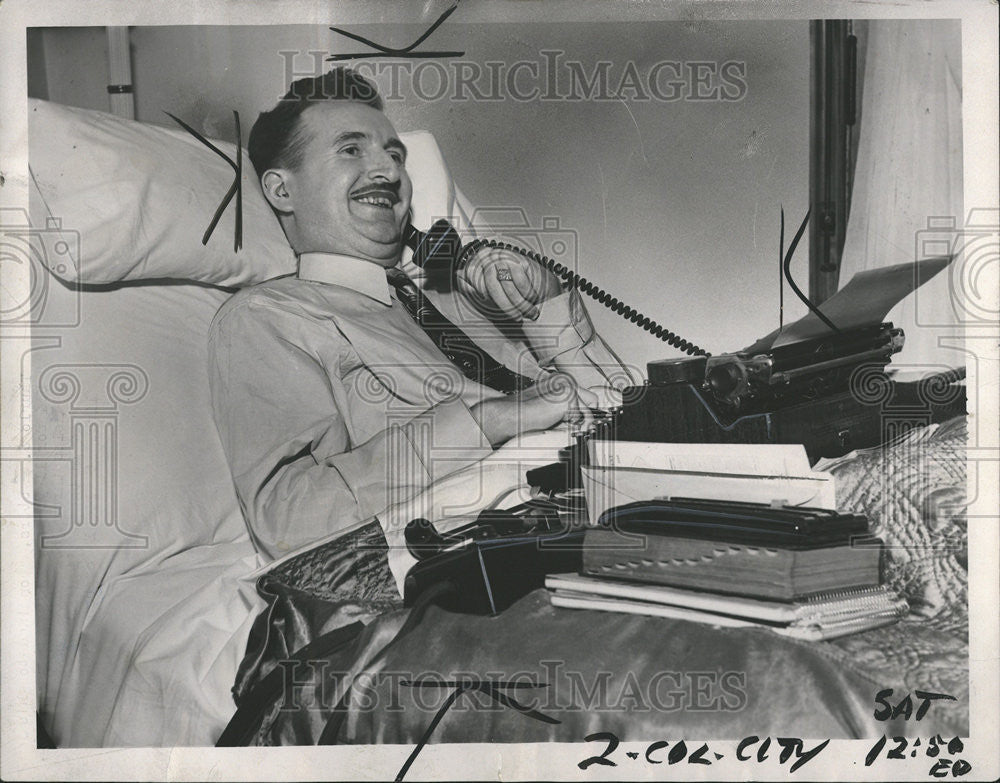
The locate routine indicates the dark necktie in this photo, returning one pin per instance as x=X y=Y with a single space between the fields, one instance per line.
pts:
x=460 y=350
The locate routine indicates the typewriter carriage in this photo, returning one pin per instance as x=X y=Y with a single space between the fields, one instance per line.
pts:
x=741 y=384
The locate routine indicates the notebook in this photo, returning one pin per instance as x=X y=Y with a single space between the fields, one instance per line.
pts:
x=822 y=616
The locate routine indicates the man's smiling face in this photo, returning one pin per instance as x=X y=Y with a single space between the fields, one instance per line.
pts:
x=350 y=194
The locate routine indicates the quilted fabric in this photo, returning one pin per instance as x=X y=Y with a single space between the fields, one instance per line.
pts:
x=331 y=586
x=913 y=491
x=913 y=655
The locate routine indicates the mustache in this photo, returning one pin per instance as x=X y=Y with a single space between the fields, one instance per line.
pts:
x=383 y=188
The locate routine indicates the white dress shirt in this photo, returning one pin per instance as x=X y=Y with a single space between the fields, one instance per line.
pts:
x=332 y=404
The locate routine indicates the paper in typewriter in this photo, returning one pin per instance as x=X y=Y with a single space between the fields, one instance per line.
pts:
x=865 y=300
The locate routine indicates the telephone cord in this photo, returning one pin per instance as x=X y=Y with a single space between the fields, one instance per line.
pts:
x=587 y=287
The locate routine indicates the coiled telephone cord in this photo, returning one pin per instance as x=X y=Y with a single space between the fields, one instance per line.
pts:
x=591 y=290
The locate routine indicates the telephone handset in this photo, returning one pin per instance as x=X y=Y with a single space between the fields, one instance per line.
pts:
x=440 y=252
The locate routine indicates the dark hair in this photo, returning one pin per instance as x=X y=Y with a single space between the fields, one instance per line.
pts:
x=275 y=139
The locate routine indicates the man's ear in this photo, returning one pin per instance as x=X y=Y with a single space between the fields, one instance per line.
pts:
x=274 y=183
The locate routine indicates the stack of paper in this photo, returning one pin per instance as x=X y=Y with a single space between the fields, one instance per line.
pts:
x=823 y=617
x=623 y=472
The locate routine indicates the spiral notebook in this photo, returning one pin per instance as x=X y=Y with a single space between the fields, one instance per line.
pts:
x=822 y=616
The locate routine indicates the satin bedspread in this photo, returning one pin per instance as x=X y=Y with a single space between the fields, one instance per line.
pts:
x=641 y=678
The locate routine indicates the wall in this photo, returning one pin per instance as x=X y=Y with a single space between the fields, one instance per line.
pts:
x=674 y=204
x=75 y=60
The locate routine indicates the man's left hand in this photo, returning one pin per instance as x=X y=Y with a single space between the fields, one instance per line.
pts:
x=505 y=283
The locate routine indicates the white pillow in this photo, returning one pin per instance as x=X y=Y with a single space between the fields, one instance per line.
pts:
x=141 y=196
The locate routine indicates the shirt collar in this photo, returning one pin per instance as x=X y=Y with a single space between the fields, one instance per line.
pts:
x=346 y=271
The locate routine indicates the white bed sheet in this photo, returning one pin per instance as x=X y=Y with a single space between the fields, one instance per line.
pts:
x=158 y=653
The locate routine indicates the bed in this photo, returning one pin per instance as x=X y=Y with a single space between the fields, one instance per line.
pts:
x=146 y=580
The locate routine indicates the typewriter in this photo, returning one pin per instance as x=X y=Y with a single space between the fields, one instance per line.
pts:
x=830 y=393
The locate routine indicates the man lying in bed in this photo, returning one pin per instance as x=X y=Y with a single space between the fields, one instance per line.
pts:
x=327 y=393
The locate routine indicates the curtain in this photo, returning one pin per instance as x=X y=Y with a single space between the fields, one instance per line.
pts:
x=907 y=198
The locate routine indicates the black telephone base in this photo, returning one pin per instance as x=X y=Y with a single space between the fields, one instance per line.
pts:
x=490 y=575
